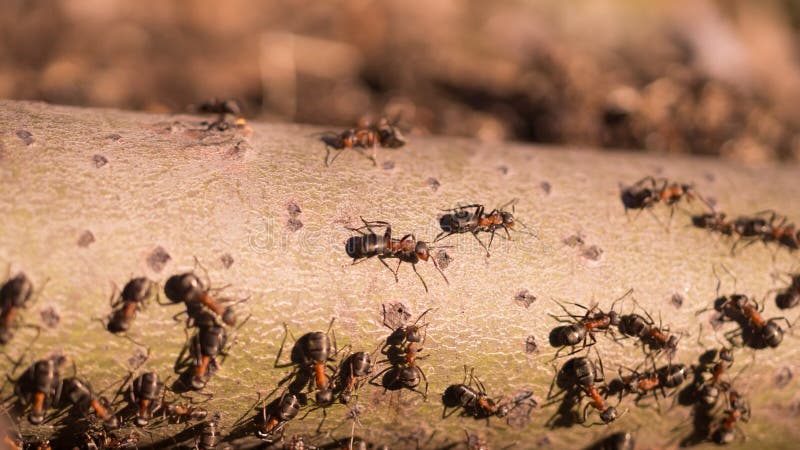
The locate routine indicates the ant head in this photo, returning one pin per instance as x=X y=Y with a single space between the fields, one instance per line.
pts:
x=137 y=289
x=345 y=398
x=180 y=288
x=414 y=333
x=422 y=251
x=389 y=135
x=726 y=354
x=16 y=291
x=609 y=415
x=324 y=398
x=503 y=411
x=508 y=219
x=229 y=316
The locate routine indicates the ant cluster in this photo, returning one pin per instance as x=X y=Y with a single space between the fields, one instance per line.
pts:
x=45 y=396
x=367 y=135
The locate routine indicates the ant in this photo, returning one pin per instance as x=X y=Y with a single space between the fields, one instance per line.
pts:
x=407 y=249
x=662 y=378
x=277 y=413
x=79 y=393
x=790 y=296
x=714 y=221
x=354 y=369
x=15 y=294
x=40 y=387
x=655 y=338
x=471 y=398
x=311 y=355
x=132 y=298
x=223 y=108
x=204 y=347
x=738 y=411
x=650 y=190
x=187 y=288
x=102 y=440
x=401 y=349
x=581 y=329
x=145 y=393
x=784 y=234
x=473 y=219
x=712 y=385
x=580 y=375
x=209 y=434
x=366 y=135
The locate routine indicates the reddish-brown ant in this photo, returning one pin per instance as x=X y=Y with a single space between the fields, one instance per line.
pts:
x=40 y=387
x=577 y=377
x=738 y=411
x=145 y=394
x=276 y=414
x=189 y=289
x=714 y=221
x=470 y=397
x=650 y=381
x=713 y=385
x=648 y=191
x=132 y=298
x=353 y=370
x=206 y=351
x=367 y=136
x=654 y=338
x=224 y=108
x=408 y=249
x=790 y=296
x=581 y=329
x=401 y=350
x=473 y=219
x=80 y=394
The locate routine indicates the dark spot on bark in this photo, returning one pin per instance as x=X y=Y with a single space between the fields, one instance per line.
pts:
x=593 y=253
x=294 y=224
x=503 y=170
x=227 y=260
x=388 y=165
x=293 y=208
x=433 y=183
x=794 y=407
x=783 y=377
x=113 y=137
x=26 y=136
x=524 y=298
x=710 y=177
x=546 y=187
x=158 y=258
x=238 y=150
x=574 y=240
x=544 y=441
x=677 y=300
x=530 y=345
x=395 y=314
x=50 y=317
x=99 y=161
x=86 y=239
x=443 y=259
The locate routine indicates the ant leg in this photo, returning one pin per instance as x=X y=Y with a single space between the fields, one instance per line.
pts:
x=424 y=378
x=475 y=235
x=491 y=239
x=425 y=285
x=338 y=153
x=381 y=259
x=277 y=365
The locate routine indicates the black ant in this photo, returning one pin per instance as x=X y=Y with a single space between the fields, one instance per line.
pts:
x=353 y=370
x=79 y=393
x=223 y=108
x=401 y=350
x=738 y=411
x=276 y=414
x=15 y=294
x=40 y=387
x=714 y=221
x=311 y=355
x=145 y=394
x=205 y=347
x=408 y=249
x=366 y=135
x=581 y=329
x=651 y=381
x=648 y=191
x=653 y=337
x=790 y=296
x=580 y=375
x=132 y=298
x=209 y=437
x=187 y=288
x=473 y=219
x=471 y=398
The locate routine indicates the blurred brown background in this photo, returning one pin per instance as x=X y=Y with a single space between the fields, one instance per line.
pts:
x=671 y=76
